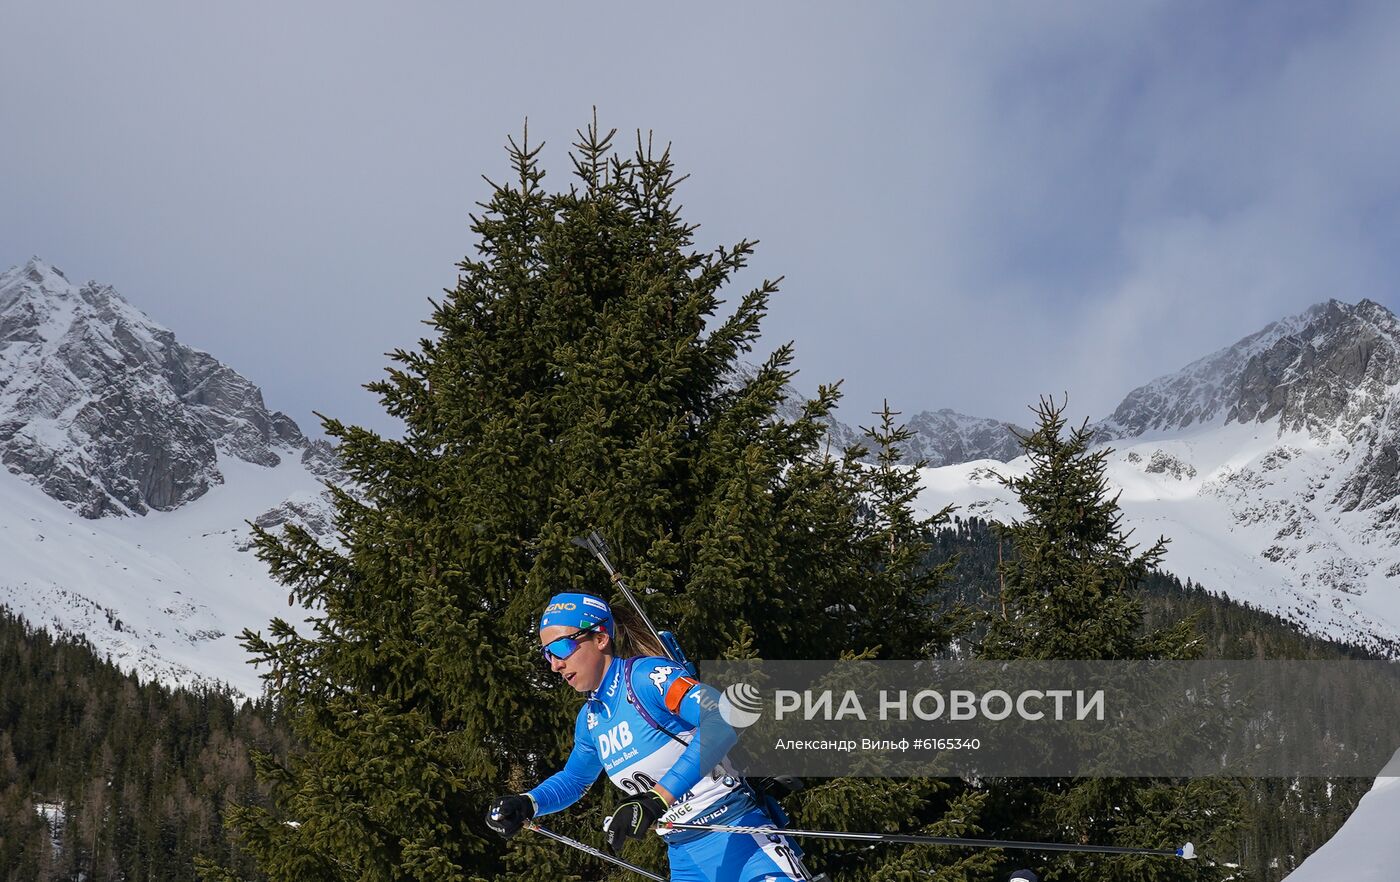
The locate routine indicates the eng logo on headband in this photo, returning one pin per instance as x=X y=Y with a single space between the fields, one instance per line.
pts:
x=577 y=610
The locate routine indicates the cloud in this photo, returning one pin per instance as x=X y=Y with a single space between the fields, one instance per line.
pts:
x=1257 y=191
x=1129 y=193
x=973 y=204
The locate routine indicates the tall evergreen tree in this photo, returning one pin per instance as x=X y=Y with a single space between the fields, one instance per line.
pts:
x=577 y=377
x=890 y=549
x=1071 y=591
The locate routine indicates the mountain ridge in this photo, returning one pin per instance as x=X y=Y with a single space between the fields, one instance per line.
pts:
x=107 y=412
x=133 y=466
x=1273 y=465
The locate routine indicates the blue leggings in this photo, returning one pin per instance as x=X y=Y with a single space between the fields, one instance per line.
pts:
x=736 y=857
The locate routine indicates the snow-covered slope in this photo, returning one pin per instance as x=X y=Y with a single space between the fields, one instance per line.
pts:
x=165 y=595
x=1366 y=848
x=1272 y=467
x=1248 y=514
x=133 y=464
x=1203 y=391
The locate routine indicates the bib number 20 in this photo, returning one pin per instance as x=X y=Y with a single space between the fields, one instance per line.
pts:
x=638 y=783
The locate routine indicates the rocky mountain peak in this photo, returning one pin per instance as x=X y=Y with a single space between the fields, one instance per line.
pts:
x=942 y=437
x=1331 y=375
x=1321 y=371
x=37 y=270
x=106 y=411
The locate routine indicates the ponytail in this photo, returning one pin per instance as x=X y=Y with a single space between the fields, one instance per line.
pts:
x=633 y=636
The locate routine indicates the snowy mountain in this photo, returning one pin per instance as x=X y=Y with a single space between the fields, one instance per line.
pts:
x=133 y=461
x=1247 y=515
x=106 y=412
x=1273 y=465
x=1328 y=369
x=132 y=464
x=941 y=437
x=944 y=437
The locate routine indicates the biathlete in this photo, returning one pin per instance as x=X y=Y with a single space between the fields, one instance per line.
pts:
x=669 y=754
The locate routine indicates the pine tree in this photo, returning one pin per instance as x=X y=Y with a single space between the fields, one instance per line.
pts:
x=577 y=378
x=889 y=555
x=1071 y=591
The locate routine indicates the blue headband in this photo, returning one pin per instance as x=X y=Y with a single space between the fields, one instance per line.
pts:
x=577 y=611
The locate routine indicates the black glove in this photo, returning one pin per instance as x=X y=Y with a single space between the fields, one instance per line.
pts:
x=632 y=820
x=509 y=813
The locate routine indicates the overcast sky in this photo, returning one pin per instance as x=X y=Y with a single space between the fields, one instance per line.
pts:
x=973 y=204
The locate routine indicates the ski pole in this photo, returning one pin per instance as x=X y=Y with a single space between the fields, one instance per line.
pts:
x=594 y=543
x=1186 y=852
x=588 y=849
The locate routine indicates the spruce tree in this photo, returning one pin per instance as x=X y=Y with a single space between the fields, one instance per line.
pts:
x=889 y=551
x=577 y=377
x=1071 y=590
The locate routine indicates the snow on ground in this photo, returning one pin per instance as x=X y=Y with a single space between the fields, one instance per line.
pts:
x=165 y=595
x=1366 y=849
x=55 y=815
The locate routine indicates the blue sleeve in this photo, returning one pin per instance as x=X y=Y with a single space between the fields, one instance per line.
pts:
x=564 y=787
x=676 y=699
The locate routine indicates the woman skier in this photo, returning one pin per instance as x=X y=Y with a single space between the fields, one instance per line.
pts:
x=658 y=734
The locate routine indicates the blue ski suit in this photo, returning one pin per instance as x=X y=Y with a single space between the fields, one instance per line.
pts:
x=611 y=736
